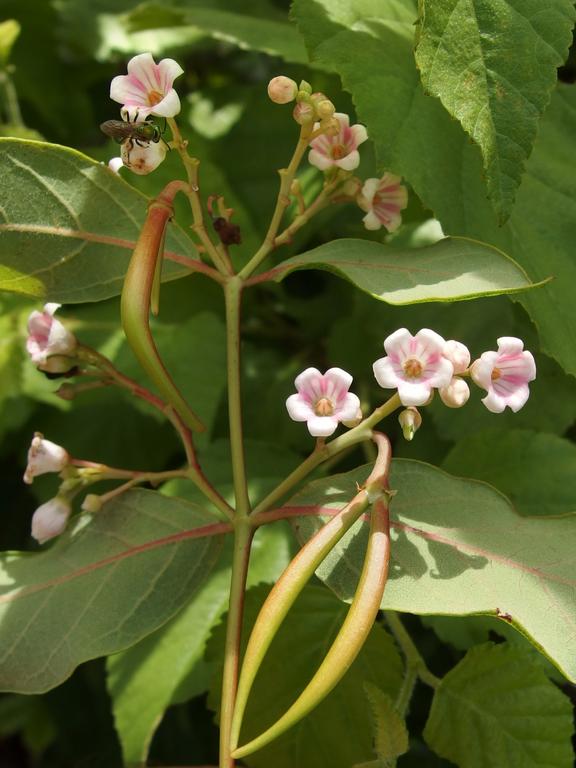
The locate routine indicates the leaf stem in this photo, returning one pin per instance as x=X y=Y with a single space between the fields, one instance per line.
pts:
x=414 y=660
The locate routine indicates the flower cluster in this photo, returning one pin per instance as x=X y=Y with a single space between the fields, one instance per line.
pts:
x=415 y=366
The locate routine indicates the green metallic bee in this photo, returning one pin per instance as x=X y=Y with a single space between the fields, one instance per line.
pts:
x=140 y=133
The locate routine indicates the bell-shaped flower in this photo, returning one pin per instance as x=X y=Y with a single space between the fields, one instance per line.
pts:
x=142 y=158
x=505 y=375
x=323 y=400
x=50 y=519
x=414 y=365
x=44 y=456
x=51 y=346
x=339 y=150
x=147 y=88
x=383 y=199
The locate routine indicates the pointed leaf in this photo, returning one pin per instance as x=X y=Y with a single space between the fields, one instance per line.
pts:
x=458 y=547
x=390 y=734
x=106 y=583
x=496 y=708
x=68 y=225
x=450 y=270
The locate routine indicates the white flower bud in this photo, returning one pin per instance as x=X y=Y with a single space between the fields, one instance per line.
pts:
x=92 y=503
x=410 y=421
x=142 y=158
x=304 y=113
x=50 y=519
x=456 y=393
x=44 y=456
x=458 y=354
x=282 y=90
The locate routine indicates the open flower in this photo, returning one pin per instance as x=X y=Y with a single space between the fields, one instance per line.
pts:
x=383 y=199
x=323 y=400
x=414 y=365
x=142 y=158
x=44 y=456
x=340 y=150
x=50 y=519
x=147 y=88
x=505 y=375
x=49 y=344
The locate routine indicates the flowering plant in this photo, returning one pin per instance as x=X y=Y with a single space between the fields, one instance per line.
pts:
x=283 y=415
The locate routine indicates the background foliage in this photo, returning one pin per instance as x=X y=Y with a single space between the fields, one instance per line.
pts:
x=467 y=106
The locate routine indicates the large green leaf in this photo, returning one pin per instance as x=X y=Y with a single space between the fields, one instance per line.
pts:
x=105 y=584
x=496 y=708
x=493 y=65
x=68 y=224
x=450 y=270
x=458 y=547
x=295 y=653
x=536 y=471
x=416 y=137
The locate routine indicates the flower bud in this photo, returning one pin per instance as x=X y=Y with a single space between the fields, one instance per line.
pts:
x=142 y=158
x=410 y=421
x=92 y=503
x=456 y=393
x=44 y=456
x=304 y=113
x=325 y=109
x=331 y=126
x=50 y=345
x=50 y=519
x=115 y=163
x=458 y=354
x=282 y=90
x=305 y=87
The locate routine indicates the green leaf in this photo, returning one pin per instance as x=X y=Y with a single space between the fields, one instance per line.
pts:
x=492 y=63
x=106 y=583
x=496 y=708
x=452 y=269
x=169 y=664
x=294 y=656
x=536 y=471
x=458 y=547
x=390 y=734
x=415 y=137
x=233 y=22
x=68 y=225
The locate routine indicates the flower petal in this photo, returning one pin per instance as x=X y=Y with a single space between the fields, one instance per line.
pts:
x=298 y=408
x=321 y=161
x=322 y=426
x=350 y=161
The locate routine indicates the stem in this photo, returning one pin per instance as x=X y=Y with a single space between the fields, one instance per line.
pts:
x=13 y=114
x=282 y=202
x=322 y=201
x=191 y=165
x=414 y=659
x=242 y=541
x=233 y=297
x=322 y=452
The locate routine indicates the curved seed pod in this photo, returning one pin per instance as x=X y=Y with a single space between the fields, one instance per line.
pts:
x=351 y=637
x=137 y=293
x=296 y=575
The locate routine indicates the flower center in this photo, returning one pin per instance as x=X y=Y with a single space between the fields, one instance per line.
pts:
x=154 y=97
x=339 y=151
x=412 y=368
x=324 y=407
x=495 y=375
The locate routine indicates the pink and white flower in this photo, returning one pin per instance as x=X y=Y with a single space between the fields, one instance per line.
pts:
x=456 y=393
x=147 y=88
x=142 y=158
x=49 y=344
x=323 y=400
x=383 y=199
x=44 y=456
x=505 y=375
x=50 y=519
x=414 y=365
x=340 y=150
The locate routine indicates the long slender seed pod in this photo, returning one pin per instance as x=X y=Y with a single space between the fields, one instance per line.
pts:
x=295 y=577
x=351 y=636
x=137 y=297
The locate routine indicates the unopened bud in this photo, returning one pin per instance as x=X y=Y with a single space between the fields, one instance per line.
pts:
x=305 y=87
x=304 y=113
x=325 y=109
x=66 y=391
x=410 y=421
x=50 y=519
x=456 y=394
x=92 y=503
x=44 y=456
x=142 y=158
x=458 y=354
x=282 y=90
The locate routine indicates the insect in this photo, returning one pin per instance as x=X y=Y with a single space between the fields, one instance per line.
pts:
x=140 y=133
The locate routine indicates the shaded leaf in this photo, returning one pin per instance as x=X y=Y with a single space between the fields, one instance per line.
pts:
x=458 y=547
x=450 y=270
x=106 y=583
x=390 y=734
x=496 y=708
